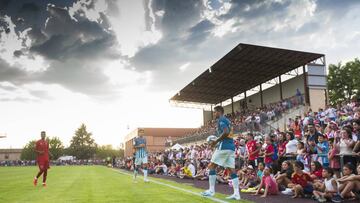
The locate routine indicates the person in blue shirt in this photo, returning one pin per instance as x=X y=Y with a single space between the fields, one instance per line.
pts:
x=141 y=159
x=224 y=155
x=322 y=150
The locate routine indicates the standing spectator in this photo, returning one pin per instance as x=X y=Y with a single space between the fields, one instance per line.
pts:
x=322 y=151
x=269 y=152
x=252 y=150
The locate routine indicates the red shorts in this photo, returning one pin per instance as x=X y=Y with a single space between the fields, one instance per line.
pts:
x=43 y=164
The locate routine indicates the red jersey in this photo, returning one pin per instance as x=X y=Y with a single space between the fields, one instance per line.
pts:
x=268 y=149
x=282 y=147
x=251 y=147
x=42 y=145
x=318 y=173
x=301 y=179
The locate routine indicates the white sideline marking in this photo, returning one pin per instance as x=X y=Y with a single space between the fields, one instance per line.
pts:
x=176 y=188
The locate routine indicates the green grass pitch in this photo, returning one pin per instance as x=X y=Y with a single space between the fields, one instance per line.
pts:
x=89 y=184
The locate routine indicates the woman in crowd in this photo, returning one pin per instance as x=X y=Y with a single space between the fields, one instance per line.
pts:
x=281 y=145
x=291 y=145
x=345 y=145
x=316 y=170
x=346 y=183
x=283 y=178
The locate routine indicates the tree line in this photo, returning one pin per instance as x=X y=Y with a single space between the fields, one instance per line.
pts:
x=82 y=146
x=343 y=81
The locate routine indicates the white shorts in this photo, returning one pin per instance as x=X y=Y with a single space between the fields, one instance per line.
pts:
x=140 y=161
x=224 y=158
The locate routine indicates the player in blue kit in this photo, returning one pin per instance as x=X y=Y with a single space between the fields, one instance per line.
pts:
x=224 y=155
x=141 y=159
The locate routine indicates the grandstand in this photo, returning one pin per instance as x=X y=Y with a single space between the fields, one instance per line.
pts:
x=251 y=77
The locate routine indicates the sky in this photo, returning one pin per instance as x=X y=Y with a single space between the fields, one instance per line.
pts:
x=114 y=64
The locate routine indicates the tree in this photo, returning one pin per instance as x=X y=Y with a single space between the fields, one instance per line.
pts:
x=344 y=81
x=56 y=147
x=82 y=145
x=102 y=152
x=28 y=152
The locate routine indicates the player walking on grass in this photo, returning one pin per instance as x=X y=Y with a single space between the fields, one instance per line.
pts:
x=224 y=155
x=141 y=159
x=42 y=151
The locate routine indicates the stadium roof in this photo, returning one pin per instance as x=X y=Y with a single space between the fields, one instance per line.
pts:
x=243 y=68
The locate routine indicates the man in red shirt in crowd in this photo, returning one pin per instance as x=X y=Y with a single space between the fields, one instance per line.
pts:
x=253 y=150
x=42 y=150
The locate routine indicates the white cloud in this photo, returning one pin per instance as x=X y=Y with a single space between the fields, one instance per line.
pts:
x=183 y=67
x=224 y=28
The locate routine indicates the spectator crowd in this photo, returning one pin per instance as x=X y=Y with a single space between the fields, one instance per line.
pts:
x=317 y=156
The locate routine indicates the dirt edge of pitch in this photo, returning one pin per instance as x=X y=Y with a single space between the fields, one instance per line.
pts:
x=174 y=187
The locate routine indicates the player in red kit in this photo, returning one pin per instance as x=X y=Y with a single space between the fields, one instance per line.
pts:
x=42 y=150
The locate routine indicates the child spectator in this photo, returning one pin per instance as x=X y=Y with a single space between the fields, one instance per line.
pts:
x=334 y=160
x=188 y=171
x=268 y=183
x=300 y=152
x=322 y=151
x=328 y=189
x=301 y=182
x=269 y=152
x=252 y=150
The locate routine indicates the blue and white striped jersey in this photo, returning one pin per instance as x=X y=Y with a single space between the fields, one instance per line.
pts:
x=140 y=152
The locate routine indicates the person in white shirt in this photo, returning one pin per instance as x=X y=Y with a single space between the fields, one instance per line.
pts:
x=291 y=146
x=330 y=112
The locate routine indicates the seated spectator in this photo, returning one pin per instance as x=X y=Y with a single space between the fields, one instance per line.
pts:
x=328 y=189
x=188 y=171
x=268 y=183
x=346 y=183
x=301 y=182
x=202 y=173
x=283 y=177
x=172 y=170
x=161 y=168
x=249 y=179
x=316 y=170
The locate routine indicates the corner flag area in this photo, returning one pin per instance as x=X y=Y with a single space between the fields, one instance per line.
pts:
x=93 y=184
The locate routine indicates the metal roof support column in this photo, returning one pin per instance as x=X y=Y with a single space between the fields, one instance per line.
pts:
x=306 y=89
x=245 y=100
x=232 y=105
x=212 y=113
x=281 y=89
x=261 y=96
